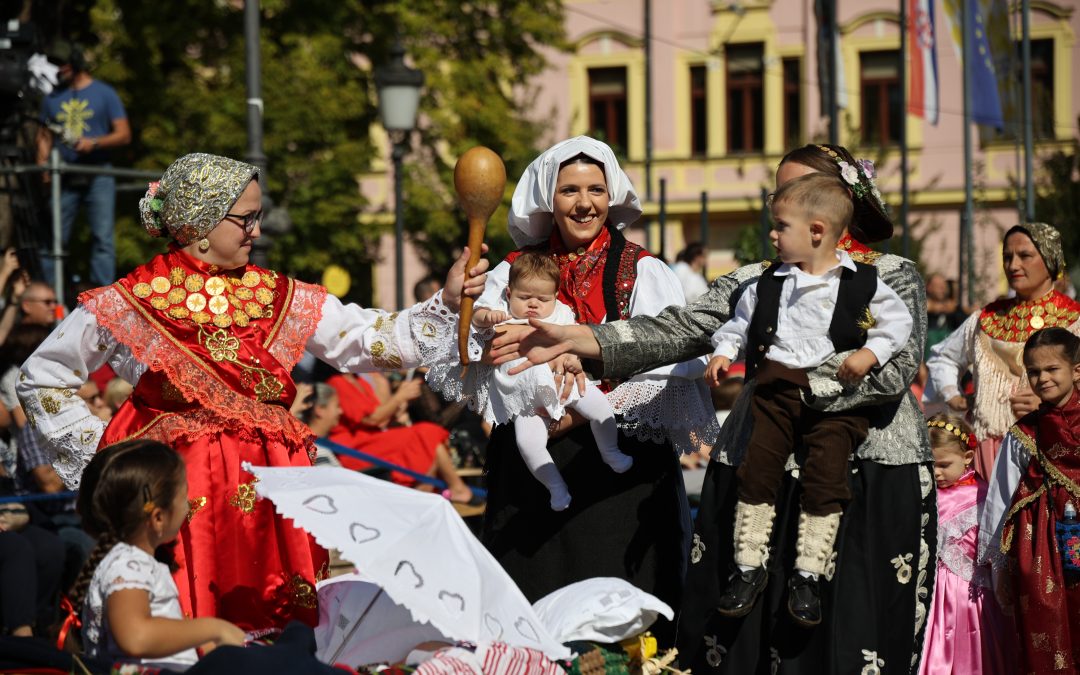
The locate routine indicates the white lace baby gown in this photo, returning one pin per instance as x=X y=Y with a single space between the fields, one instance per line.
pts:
x=534 y=389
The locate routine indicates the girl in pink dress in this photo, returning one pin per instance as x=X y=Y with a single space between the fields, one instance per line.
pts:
x=966 y=630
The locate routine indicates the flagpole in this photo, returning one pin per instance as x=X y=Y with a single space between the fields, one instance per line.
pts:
x=904 y=47
x=968 y=217
x=1029 y=170
x=834 y=103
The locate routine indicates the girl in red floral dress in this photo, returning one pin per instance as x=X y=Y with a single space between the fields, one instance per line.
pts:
x=1023 y=530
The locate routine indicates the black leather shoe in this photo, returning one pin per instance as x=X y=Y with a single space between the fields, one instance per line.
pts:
x=743 y=589
x=804 y=600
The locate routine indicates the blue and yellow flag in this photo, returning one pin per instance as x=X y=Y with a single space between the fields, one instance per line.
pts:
x=985 y=99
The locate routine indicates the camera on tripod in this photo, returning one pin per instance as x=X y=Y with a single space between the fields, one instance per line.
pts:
x=17 y=42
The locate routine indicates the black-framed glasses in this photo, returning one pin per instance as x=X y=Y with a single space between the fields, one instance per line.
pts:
x=247 y=220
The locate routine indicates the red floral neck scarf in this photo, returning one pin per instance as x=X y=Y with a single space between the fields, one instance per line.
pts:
x=582 y=276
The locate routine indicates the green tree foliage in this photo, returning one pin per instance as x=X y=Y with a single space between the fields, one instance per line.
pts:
x=1058 y=198
x=181 y=75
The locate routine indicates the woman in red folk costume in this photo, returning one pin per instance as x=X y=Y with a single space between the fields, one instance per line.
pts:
x=209 y=340
x=989 y=342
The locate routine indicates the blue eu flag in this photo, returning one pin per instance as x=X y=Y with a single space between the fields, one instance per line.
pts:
x=985 y=101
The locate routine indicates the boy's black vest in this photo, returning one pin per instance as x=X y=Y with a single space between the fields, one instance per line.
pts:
x=850 y=321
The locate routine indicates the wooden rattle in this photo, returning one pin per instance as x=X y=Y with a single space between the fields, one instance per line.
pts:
x=480 y=180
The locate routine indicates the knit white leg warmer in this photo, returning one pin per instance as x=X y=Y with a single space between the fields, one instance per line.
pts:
x=753 y=526
x=817 y=540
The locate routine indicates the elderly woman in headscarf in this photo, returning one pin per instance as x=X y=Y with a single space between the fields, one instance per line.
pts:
x=572 y=203
x=209 y=340
x=990 y=342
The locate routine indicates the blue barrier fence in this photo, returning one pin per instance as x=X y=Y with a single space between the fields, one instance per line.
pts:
x=336 y=448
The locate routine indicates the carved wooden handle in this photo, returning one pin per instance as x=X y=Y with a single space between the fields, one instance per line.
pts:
x=480 y=181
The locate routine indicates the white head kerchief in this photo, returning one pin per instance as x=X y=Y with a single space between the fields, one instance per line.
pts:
x=530 y=220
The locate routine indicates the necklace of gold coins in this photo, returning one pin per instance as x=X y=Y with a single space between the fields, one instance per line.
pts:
x=220 y=300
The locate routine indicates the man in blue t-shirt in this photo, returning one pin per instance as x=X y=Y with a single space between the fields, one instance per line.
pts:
x=86 y=119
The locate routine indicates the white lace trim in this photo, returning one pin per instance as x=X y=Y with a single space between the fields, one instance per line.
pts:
x=672 y=409
x=953 y=551
x=72 y=456
x=434 y=332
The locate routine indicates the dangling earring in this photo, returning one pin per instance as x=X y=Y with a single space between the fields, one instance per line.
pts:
x=204 y=244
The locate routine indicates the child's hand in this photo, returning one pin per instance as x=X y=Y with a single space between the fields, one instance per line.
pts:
x=229 y=634
x=718 y=365
x=856 y=366
x=486 y=318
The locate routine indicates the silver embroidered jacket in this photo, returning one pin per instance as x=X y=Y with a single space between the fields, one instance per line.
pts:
x=897 y=430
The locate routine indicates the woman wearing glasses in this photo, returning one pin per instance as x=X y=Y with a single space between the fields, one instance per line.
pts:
x=209 y=340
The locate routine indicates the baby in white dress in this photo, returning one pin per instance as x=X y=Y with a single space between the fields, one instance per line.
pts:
x=530 y=294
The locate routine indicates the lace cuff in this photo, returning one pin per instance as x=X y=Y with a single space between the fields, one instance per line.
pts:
x=72 y=456
x=669 y=409
x=69 y=432
x=433 y=327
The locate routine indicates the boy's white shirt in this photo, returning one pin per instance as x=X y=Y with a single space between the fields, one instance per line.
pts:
x=806 y=309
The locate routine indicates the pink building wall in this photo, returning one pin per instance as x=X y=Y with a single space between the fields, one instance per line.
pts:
x=689 y=30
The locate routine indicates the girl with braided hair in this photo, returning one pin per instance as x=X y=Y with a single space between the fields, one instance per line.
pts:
x=134 y=499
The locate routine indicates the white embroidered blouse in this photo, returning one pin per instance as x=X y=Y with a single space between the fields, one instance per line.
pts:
x=348 y=337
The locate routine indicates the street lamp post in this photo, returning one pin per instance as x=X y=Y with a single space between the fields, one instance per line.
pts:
x=399 y=97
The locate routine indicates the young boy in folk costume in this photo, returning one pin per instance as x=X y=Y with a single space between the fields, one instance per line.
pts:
x=1036 y=482
x=807 y=306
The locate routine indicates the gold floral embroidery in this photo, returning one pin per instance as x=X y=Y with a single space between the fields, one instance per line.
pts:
x=50 y=404
x=245 y=293
x=200 y=317
x=193 y=283
x=250 y=280
x=1015 y=321
x=240 y=318
x=194 y=506
x=176 y=276
x=866 y=320
x=142 y=290
x=222 y=320
x=222 y=346
x=196 y=302
x=160 y=285
x=176 y=296
x=215 y=286
x=179 y=312
x=303 y=593
x=244 y=499
x=159 y=302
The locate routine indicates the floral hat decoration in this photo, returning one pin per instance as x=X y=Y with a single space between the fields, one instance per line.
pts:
x=193 y=196
x=860 y=177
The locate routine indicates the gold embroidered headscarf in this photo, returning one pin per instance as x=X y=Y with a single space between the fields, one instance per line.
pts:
x=193 y=196
x=1047 y=242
